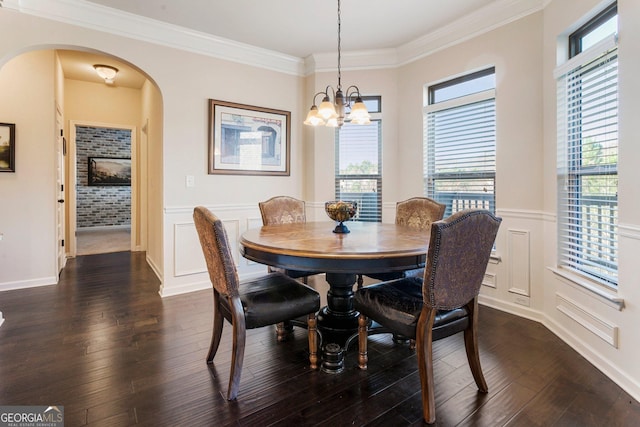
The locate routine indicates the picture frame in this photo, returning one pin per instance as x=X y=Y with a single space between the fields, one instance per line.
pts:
x=248 y=140
x=109 y=171
x=7 y=147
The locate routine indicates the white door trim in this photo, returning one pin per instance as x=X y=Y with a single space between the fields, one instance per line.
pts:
x=73 y=175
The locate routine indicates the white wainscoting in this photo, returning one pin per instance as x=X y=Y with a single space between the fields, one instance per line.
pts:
x=519 y=253
x=490 y=280
x=588 y=319
x=188 y=270
x=186 y=259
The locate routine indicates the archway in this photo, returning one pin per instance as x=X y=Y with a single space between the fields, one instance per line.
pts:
x=36 y=75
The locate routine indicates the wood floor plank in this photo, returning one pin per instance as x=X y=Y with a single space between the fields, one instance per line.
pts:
x=103 y=344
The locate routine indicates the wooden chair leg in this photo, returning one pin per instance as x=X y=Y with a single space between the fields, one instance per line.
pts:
x=362 y=342
x=313 y=341
x=237 y=356
x=471 y=346
x=424 y=352
x=360 y=281
x=218 y=324
x=284 y=331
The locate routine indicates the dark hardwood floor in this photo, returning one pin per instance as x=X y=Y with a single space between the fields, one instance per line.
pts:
x=104 y=345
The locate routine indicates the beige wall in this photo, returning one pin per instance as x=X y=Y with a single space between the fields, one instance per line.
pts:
x=28 y=214
x=178 y=119
x=604 y=334
x=515 y=50
x=320 y=141
x=96 y=104
x=151 y=175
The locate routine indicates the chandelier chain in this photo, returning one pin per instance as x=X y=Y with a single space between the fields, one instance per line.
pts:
x=339 y=48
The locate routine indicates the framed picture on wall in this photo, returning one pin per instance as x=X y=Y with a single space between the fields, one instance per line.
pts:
x=248 y=140
x=109 y=171
x=7 y=147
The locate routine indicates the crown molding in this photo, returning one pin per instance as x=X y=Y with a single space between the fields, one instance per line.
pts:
x=101 y=18
x=481 y=21
x=353 y=60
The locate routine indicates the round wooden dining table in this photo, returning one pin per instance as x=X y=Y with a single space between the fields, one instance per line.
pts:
x=369 y=247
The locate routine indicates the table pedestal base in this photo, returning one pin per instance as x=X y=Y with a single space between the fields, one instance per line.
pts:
x=337 y=321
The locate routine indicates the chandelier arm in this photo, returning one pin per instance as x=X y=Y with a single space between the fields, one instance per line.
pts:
x=330 y=88
x=325 y=93
x=352 y=93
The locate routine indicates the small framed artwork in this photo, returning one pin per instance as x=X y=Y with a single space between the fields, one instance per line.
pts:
x=248 y=140
x=109 y=171
x=7 y=147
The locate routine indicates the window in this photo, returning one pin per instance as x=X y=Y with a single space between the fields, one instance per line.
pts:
x=603 y=25
x=359 y=164
x=460 y=142
x=588 y=151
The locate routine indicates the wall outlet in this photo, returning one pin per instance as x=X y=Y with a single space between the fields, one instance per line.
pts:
x=190 y=181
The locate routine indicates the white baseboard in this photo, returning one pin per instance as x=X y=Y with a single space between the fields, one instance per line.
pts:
x=104 y=228
x=32 y=283
x=185 y=288
x=613 y=372
x=200 y=282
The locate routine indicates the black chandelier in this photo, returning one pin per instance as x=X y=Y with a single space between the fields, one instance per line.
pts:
x=332 y=113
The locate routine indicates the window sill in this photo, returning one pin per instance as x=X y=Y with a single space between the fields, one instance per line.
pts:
x=585 y=284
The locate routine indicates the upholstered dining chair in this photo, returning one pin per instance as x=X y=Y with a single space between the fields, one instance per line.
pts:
x=443 y=304
x=418 y=213
x=285 y=210
x=263 y=301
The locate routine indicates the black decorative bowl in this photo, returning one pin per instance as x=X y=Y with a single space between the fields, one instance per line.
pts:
x=341 y=211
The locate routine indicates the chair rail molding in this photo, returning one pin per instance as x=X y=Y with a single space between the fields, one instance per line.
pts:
x=526 y=214
x=629 y=231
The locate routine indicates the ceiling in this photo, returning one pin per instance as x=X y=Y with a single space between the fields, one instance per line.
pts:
x=297 y=28
x=303 y=27
x=78 y=65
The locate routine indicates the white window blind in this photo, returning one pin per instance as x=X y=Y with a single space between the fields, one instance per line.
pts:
x=359 y=168
x=588 y=163
x=460 y=152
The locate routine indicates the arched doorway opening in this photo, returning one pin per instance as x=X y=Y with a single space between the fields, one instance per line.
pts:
x=106 y=109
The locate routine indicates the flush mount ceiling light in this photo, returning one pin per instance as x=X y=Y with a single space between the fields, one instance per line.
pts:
x=107 y=72
x=332 y=113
